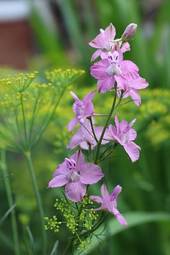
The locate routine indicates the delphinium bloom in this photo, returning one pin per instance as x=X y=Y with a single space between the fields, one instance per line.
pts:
x=109 y=202
x=75 y=174
x=129 y=81
x=82 y=108
x=106 y=70
x=123 y=133
x=84 y=137
x=114 y=70
x=104 y=42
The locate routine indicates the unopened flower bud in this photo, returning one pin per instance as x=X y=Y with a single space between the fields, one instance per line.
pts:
x=129 y=31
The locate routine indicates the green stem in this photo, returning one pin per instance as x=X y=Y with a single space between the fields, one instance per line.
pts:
x=92 y=128
x=28 y=157
x=47 y=121
x=106 y=156
x=24 y=119
x=33 y=117
x=106 y=124
x=10 y=201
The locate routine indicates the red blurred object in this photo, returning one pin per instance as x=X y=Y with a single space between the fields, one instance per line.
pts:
x=16 y=47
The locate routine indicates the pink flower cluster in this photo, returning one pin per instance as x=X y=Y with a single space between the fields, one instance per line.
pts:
x=112 y=72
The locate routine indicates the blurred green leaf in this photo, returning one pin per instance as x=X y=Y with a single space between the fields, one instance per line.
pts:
x=55 y=249
x=31 y=240
x=6 y=241
x=72 y=23
x=7 y=213
x=49 y=41
x=113 y=227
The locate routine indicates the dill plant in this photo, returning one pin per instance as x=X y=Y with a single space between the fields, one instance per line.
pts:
x=28 y=102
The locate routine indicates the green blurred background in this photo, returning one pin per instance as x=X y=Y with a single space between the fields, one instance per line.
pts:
x=59 y=32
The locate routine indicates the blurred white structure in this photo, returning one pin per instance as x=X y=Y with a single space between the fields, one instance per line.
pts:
x=14 y=10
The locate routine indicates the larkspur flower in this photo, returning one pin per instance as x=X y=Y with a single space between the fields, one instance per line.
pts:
x=75 y=174
x=104 y=43
x=105 y=71
x=84 y=137
x=109 y=202
x=82 y=108
x=124 y=134
x=129 y=81
x=125 y=73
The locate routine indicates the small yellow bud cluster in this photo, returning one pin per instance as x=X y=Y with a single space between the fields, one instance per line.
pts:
x=87 y=218
x=68 y=214
x=83 y=244
x=63 y=77
x=52 y=224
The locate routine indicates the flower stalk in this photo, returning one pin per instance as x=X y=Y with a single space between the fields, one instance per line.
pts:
x=106 y=124
x=113 y=73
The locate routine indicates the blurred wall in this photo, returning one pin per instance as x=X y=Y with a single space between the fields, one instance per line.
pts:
x=16 y=45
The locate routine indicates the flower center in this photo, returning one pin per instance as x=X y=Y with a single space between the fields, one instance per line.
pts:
x=71 y=163
x=74 y=176
x=113 y=70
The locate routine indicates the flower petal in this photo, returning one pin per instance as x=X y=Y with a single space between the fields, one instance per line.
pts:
x=115 y=192
x=75 y=191
x=132 y=134
x=104 y=39
x=61 y=169
x=79 y=160
x=104 y=191
x=125 y=47
x=95 y=55
x=72 y=124
x=119 y=217
x=58 y=181
x=98 y=132
x=96 y=199
x=106 y=85
x=90 y=173
x=75 y=97
x=139 y=83
x=133 y=150
x=135 y=96
x=75 y=140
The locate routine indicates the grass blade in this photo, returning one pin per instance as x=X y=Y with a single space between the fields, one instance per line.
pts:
x=55 y=249
x=31 y=239
x=7 y=213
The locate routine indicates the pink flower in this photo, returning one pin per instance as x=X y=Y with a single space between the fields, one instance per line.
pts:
x=84 y=137
x=104 y=41
x=114 y=69
x=109 y=202
x=75 y=174
x=83 y=108
x=105 y=71
x=124 y=134
x=129 y=81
